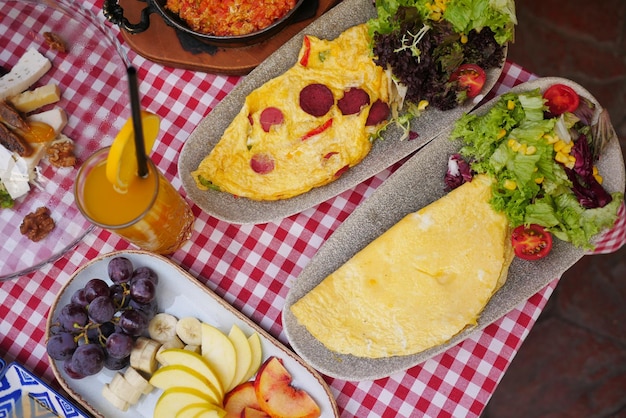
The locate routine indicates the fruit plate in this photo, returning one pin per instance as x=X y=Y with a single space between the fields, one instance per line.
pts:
x=416 y=184
x=88 y=76
x=24 y=395
x=383 y=154
x=182 y=295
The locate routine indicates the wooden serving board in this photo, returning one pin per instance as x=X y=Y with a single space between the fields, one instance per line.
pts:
x=161 y=43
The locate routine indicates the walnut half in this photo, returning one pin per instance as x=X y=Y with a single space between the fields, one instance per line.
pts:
x=37 y=225
x=61 y=154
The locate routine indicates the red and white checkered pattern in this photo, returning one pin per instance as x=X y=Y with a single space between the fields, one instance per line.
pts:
x=253 y=266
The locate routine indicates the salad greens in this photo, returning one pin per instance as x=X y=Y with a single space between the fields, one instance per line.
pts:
x=421 y=43
x=6 y=201
x=540 y=177
x=464 y=15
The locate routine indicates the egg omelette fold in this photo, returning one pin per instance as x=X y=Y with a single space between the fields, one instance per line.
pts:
x=309 y=139
x=418 y=284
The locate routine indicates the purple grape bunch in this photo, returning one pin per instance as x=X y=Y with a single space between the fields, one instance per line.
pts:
x=99 y=325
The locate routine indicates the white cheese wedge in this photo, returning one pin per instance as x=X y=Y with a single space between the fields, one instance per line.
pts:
x=55 y=117
x=16 y=173
x=29 y=68
x=31 y=100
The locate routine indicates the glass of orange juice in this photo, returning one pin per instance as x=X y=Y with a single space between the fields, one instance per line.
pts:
x=150 y=213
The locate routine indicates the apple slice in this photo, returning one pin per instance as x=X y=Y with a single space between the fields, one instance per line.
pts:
x=277 y=397
x=174 y=399
x=220 y=353
x=244 y=354
x=177 y=375
x=200 y=410
x=241 y=397
x=257 y=355
x=194 y=361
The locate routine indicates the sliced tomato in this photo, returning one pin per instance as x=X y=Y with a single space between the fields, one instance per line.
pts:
x=471 y=78
x=561 y=98
x=531 y=242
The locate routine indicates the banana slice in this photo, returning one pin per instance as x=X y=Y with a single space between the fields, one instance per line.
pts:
x=114 y=399
x=136 y=379
x=189 y=329
x=143 y=355
x=124 y=390
x=194 y=348
x=162 y=327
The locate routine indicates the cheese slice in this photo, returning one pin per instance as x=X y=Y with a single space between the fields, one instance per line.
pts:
x=31 y=100
x=29 y=69
x=419 y=284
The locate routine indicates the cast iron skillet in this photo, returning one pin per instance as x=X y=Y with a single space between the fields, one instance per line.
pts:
x=115 y=14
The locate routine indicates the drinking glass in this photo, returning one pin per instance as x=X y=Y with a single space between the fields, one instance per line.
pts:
x=150 y=214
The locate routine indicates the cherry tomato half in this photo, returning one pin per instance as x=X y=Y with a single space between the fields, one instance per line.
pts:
x=531 y=242
x=470 y=77
x=561 y=98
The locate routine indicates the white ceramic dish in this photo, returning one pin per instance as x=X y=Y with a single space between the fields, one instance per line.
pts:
x=416 y=184
x=181 y=295
x=383 y=154
x=86 y=74
x=24 y=395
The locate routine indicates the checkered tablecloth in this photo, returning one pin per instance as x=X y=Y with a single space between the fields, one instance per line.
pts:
x=253 y=266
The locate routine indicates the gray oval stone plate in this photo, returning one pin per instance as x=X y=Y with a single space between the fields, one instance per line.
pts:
x=414 y=185
x=238 y=210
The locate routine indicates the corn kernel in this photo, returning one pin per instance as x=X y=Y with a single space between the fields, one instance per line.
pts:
x=539 y=180
x=514 y=145
x=502 y=133
x=464 y=39
x=558 y=145
x=531 y=150
x=567 y=148
x=510 y=184
x=422 y=104
x=562 y=158
x=510 y=105
x=436 y=16
x=597 y=176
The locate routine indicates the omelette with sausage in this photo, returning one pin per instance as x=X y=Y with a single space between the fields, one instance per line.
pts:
x=304 y=128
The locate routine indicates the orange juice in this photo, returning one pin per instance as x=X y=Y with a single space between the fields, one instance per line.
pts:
x=151 y=213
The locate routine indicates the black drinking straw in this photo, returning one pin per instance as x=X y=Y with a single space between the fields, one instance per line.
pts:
x=135 y=107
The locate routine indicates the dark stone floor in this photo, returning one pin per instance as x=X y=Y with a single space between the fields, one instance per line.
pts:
x=573 y=363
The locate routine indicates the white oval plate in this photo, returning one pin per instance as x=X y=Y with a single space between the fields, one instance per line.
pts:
x=383 y=154
x=181 y=295
x=416 y=184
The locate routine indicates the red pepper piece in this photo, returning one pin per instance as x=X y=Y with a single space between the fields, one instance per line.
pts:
x=318 y=130
x=304 y=61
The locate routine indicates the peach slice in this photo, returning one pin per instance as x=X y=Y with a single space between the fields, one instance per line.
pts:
x=277 y=397
x=253 y=413
x=241 y=397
